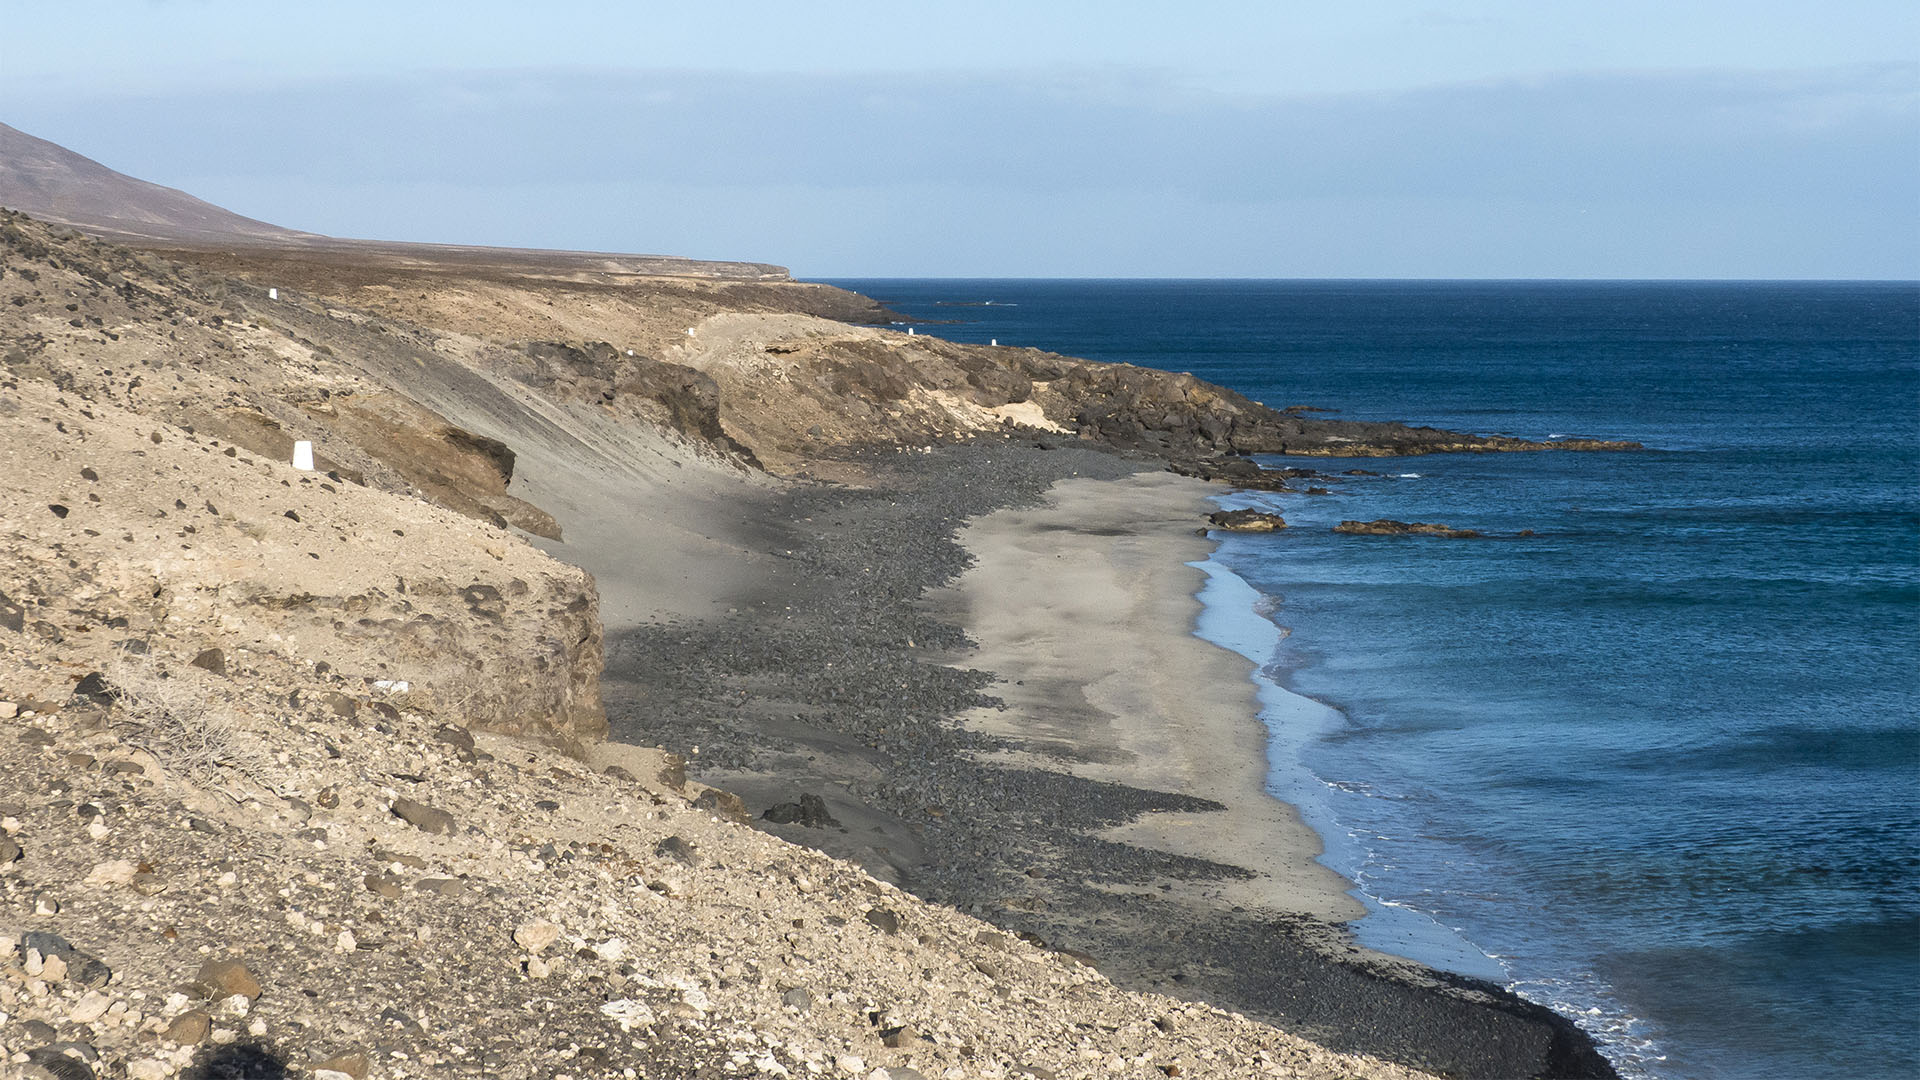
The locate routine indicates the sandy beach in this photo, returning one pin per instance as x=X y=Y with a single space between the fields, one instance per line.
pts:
x=1083 y=609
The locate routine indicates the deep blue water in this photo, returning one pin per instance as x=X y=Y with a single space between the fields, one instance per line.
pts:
x=1659 y=758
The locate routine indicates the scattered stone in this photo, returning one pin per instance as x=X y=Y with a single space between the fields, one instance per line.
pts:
x=117 y=872
x=383 y=886
x=190 y=1028
x=222 y=979
x=89 y=1008
x=53 y=969
x=673 y=772
x=351 y=1063
x=401 y=857
x=93 y=687
x=536 y=936
x=9 y=710
x=797 y=998
x=723 y=804
x=9 y=850
x=424 y=817
x=56 y=1063
x=455 y=736
x=677 y=849
x=46 y=943
x=88 y=972
x=883 y=920
x=12 y=616
x=448 y=887
x=214 y=660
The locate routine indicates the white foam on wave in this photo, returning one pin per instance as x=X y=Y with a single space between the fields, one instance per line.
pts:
x=1627 y=1041
x=1408 y=475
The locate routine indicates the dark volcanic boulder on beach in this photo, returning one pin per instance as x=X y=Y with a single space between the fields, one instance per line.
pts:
x=809 y=811
x=1246 y=521
x=1389 y=527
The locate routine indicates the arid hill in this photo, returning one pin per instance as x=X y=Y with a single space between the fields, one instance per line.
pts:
x=54 y=184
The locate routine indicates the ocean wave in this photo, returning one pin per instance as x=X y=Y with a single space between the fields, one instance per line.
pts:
x=1626 y=1040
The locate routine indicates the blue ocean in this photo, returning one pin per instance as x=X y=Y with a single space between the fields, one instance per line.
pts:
x=1655 y=763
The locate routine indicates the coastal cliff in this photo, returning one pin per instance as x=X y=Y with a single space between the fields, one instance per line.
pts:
x=344 y=728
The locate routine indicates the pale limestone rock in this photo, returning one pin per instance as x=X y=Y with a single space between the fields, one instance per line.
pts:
x=117 y=872
x=536 y=936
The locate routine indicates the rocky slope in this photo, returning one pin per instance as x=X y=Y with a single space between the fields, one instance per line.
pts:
x=284 y=870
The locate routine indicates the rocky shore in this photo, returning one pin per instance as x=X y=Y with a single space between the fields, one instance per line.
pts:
x=309 y=772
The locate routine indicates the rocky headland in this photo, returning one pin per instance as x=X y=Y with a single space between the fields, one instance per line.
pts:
x=310 y=771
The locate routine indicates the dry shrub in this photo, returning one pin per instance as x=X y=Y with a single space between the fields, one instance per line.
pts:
x=186 y=729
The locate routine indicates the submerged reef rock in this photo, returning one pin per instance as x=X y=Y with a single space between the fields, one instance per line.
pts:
x=1389 y=527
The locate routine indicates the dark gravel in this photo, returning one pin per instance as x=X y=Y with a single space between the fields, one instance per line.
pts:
x=834 y=681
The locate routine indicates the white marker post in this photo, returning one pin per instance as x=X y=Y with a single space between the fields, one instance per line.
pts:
x=273 y=294
x=303 y=455
x=993 y=341
x=909 y=331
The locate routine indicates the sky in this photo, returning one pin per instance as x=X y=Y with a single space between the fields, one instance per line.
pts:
x=1492 y=139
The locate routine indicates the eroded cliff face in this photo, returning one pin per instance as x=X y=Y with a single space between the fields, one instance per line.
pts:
x=124 y=534
x=778 y=374
x=795 y=388
x=147 y=500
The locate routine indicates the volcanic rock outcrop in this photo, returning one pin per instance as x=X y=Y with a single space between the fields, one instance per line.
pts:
x=1246 y=521
x=1389 y=527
